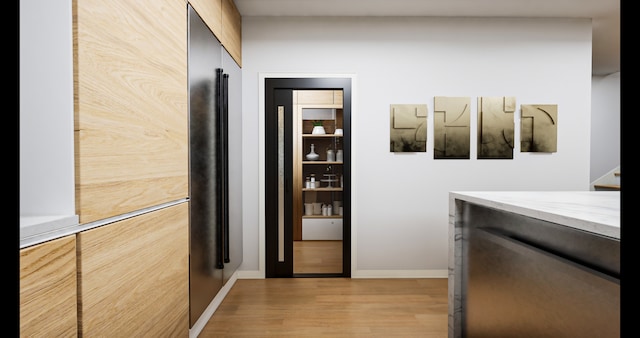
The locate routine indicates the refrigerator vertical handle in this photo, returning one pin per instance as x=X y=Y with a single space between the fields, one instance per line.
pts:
x=220 y=165
x=225 y=126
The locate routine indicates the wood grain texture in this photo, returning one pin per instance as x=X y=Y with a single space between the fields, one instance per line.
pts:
x=317 y=256
x=232 y=30
x=338 y=97
x=48 y=302
x=321 y=97
x=134 y=276
x=211 y=13
x=131 y=100
x=332 y=307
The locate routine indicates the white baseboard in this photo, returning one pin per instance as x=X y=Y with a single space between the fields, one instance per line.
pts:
x=252 y=274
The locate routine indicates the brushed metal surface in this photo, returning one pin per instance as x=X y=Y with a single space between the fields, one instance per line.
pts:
x=524 y=277
x=204 y=52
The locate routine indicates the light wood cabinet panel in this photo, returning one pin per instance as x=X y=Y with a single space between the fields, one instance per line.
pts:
x=131 y=100
x=232 y=30
x=48 y=292
x=134 y=276
x=211 y=13
x=333 y=98
x=338 y=96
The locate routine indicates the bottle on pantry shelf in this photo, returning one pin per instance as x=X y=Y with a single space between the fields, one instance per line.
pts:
x=312 y=155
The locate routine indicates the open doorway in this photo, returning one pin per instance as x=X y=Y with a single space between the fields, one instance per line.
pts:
x=307 y=177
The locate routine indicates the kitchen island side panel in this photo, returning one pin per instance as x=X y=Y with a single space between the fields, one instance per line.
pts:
x=574 y=240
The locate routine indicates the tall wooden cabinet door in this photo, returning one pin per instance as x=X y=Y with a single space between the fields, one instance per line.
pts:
x=48 y=292
x=232 y=30
x=131 y=100
x=134 y=276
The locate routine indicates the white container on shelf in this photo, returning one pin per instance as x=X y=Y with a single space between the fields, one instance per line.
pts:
x=308 y=209
x=317 y=208
x=318 y=130
x=312 y=155
x=336 y=207
x=330 y=155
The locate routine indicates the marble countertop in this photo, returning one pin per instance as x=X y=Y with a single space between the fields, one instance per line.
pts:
x=593 y=211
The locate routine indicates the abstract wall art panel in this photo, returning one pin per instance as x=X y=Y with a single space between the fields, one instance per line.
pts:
x=539 y=128
x=496 y=127
x=408 y=128
x=451 y=127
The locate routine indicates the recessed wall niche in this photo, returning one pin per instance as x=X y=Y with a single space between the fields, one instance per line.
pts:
x=451 y=127
x=496 y=127
x=539 y=128
x=408 y=132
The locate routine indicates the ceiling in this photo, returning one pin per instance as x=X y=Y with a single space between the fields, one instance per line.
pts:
x=604 y=13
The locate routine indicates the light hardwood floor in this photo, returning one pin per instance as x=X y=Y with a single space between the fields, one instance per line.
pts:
x=317 y=256
x=332 y=307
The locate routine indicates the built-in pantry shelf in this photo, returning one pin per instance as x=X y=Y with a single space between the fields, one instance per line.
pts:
x=609 y=186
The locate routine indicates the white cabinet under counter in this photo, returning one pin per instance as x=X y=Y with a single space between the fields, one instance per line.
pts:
x=322 y=229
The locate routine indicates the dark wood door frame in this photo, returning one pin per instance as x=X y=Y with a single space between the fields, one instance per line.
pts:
x=278 y=91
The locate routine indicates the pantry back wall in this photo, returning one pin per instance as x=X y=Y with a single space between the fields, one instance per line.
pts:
x=400 y=200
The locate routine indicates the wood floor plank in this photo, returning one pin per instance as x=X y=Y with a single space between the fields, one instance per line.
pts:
x=317 y=256
x=332 y=307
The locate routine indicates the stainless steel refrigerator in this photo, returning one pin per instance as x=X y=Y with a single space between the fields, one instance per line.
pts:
x=215 y=163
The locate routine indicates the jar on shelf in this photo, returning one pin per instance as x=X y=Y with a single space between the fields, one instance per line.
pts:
x=330 y=155
x=308 y=209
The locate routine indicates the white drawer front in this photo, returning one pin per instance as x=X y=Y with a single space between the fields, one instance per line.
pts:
x=322 y=229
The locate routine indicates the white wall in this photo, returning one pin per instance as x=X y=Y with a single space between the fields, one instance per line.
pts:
x=605 y=124
x=46 y=108
x=400 y=201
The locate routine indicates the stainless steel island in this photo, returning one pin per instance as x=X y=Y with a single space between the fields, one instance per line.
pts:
x=534 y=264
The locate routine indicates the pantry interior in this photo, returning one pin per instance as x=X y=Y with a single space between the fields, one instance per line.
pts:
x=318 y=180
